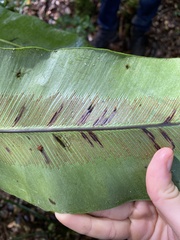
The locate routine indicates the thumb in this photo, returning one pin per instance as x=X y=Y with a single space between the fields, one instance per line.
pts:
x=162 y=191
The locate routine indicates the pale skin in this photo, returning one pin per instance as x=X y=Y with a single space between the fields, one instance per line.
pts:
x=158 y=219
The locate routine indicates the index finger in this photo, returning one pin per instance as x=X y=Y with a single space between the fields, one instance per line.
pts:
x=101 y=228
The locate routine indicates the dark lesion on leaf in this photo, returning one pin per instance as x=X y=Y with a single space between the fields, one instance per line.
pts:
x=95 y=138
x=19 y=116
x=152 y=138
x=103 y=120
x=55 y=116
x=100 y=118
x=111 y=116
x=41 y=149
x=85 y=116
x=165 y=135
x=90 y=108
x=51 y=201
x=127 y=66
x=18 y=74
x=60 y=141
x=8 y=150
x=170 y=117
x=87 y=139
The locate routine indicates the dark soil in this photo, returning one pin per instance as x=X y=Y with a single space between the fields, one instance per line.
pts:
x=164 y=35
x=20 y=220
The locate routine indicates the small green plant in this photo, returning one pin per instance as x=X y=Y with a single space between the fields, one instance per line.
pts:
x=81 y=25
x=84 y=7
x=15 y=6
x=80 y=21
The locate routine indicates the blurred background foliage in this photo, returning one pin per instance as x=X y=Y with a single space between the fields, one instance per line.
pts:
x=79 y=16
x=73 y=15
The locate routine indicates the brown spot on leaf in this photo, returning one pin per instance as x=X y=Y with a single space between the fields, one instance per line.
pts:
x=127 y=66
x=55 y=116
x=19 y=115
x=85 y=116
x=167 y=138
x=52 y=202
x=87 y=139
x=111 y=116
x=152 y=138
x=8 y=150
x=18 y=74
x=100 y=119
x=169 y=118
x=60 y=141
x=95 y=138
x=41 y=149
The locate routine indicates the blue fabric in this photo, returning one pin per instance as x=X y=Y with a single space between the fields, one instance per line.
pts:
x=147 y=10
x=108 y=19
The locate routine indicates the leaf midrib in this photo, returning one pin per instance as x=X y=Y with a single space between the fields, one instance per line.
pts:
x=76 y=129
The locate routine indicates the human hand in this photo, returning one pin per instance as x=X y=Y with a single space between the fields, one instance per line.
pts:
x=158 y=219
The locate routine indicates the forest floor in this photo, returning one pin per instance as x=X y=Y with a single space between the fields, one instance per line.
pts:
x=164 y=35
x=20 y=220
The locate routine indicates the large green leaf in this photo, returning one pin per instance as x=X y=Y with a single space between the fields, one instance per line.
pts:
x=78 y=127
x=21 y=30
